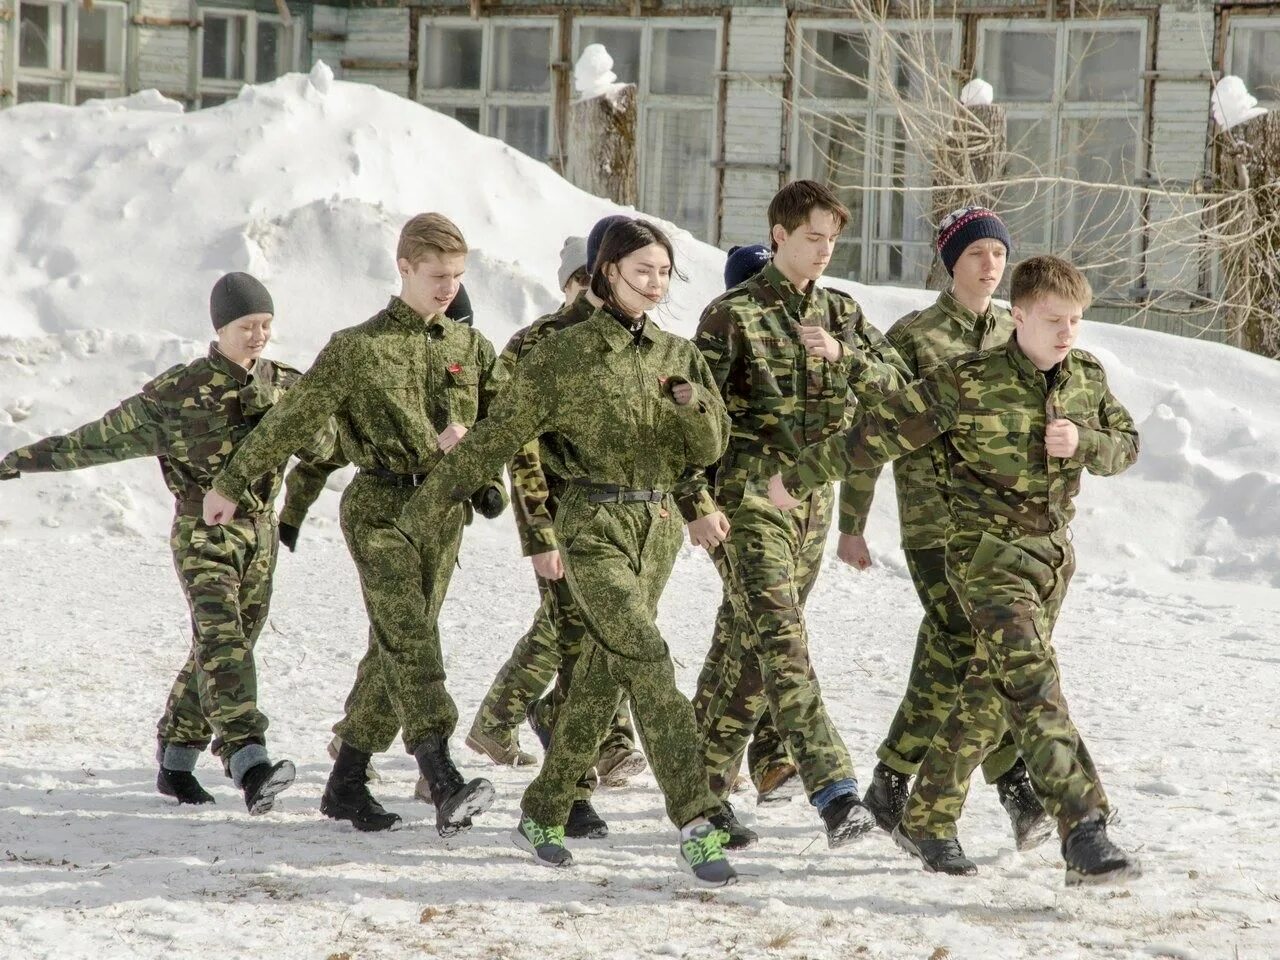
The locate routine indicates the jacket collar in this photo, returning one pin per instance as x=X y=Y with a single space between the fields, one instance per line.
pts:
x=792 y=299
x=405 y=315
x=615 y=335
x=232 y=369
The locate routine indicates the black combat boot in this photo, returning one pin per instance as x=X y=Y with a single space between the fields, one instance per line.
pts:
x=456 y=800
x=938 y=856
x=846 y=819
x=183 y=786
x=347 y=796
x=886 y=798
x=584 y=822
x=262 y=782
x=740 y=836
x=1031 y=825
x=1091 y=856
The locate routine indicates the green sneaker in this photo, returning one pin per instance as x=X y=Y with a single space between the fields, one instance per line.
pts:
x=702 y=855
x=545 y=843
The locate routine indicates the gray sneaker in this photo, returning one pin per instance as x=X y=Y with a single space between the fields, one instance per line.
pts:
x=545 y=843
x=702 y=856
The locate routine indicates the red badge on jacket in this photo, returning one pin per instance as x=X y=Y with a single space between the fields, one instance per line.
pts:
x=455 y=368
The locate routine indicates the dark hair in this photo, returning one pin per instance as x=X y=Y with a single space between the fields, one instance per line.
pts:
x=620 y=241
x=792 y=205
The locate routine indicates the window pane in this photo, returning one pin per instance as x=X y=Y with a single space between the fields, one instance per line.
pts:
x=901 y=214
x=41 y=92
x=452 y=57
x=224 y=47
x=272 y=48
x=834 y=66
x=85 y=94
x=1095 y=226
x=1026 y=207
x=623 y=44
x=683 y=61
x=521 y=59
x=677 y=167
x=932 y=50
x=846 y=259
x=100 y=39
x=469 y=117
x=1019 y=64
x=1255 y=59
x=41 y=28
x=524 y=128
x=832 y=150
x=1104 y=65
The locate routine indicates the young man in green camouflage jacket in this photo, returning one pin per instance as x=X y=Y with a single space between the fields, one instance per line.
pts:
x=194 y=416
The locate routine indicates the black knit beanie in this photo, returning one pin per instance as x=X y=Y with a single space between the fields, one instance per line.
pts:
x=965 y=226
x=237 y=295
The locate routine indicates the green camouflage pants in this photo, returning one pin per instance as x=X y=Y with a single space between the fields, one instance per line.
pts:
x=554 y=638
x=1012 y=591
x=767 y=751
x=400 y=681
x=617 y=560
x=944 y=647
x=770 y=563
x=226 y=576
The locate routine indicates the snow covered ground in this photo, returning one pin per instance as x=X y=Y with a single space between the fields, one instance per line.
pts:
x=116 y=220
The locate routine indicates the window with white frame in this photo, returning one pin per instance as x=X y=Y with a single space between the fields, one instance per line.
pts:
x=673 y=62
x=243 y=46
x=849 y=134
x=1073 y=93
x=1253 y=54
x=493 y=76
x=68 y=53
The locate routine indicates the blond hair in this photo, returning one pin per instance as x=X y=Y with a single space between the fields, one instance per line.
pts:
x=429 y=233
x=1038 y=277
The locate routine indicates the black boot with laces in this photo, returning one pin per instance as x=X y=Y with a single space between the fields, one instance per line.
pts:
x=1091 y=856
x=456 y=800
x=1031 y=825
x=886 y=798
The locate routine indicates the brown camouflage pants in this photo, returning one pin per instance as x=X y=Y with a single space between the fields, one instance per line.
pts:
x=399 y=683
x=617 y=560
x=226 y=575
x=944 y=647
x=1012 y=590
x=770 y=563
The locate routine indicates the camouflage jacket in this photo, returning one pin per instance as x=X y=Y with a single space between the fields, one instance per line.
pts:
x=991 y=409
x=605 y=393
x=392 y=384
x=193 y=417
x=535 y=486
x=923 y=339
x=780 y=400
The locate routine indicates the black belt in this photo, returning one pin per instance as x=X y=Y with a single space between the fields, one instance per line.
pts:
x=612 y=493
x=396 y=479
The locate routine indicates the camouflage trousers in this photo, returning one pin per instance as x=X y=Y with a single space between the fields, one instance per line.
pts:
x=226 y=575
x=747 y=711
x=399 y=683
x=944 y=647
x=769 y=565
x=1011 y=590
x=617 y=560
x=548 y=651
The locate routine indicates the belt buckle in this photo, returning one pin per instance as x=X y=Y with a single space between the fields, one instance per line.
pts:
x=415 y=479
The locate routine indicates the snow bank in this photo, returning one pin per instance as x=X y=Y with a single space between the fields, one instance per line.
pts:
x=120 y=215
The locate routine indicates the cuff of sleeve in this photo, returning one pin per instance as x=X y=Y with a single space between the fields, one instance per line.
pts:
x=1087 y=448
x=849 y=526
x=536 y=540
x=697 y=405
x=696 y=506
x=231 y=485
x=794 y=483
x=292 y=516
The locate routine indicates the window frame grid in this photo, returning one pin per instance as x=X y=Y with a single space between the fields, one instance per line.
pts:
x=872 y=112
x=229 y=88
x=70 y=77
x=1249 y=21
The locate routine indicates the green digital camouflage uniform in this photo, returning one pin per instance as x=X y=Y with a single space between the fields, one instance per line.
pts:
x=193 y=417
x=551 y=646
x=944 y=642
x=303 y=485
x=605 y=392
x=392 y=384
x=780 y=401
x=1009 y=556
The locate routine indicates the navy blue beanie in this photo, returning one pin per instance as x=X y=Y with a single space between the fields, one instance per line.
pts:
x=965 y=226
x=744 y=263
x=238 y=295
x=597 y=235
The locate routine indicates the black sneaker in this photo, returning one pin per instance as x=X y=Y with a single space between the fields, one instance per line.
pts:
x=1092 y=858
x=702 y=856
x=739 y=836
x=183 y=786
x=584 y=822
x=846 y=819
x=886 y=798
x=263 y=781
x=1031 y=825
x=938 y=856
x=545 y=843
